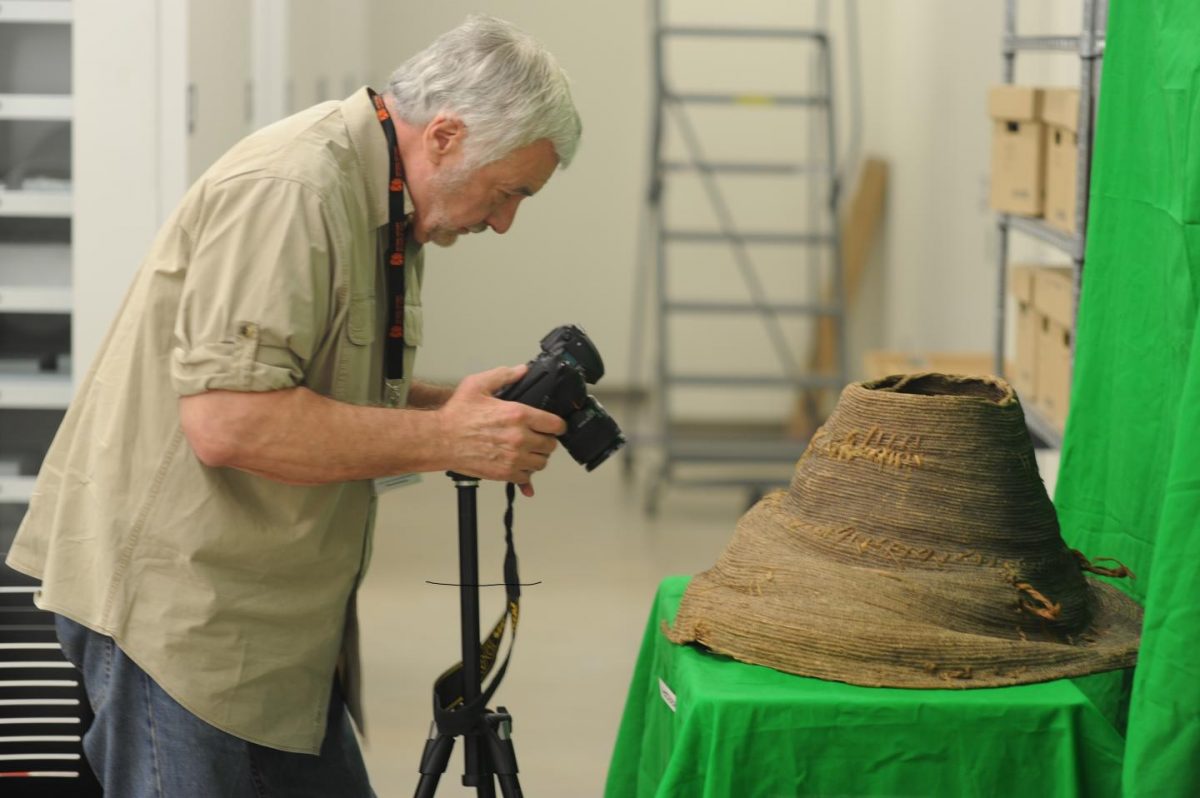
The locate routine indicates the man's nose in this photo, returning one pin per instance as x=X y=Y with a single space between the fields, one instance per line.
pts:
x=502 y=218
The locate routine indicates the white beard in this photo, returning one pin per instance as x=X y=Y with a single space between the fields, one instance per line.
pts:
x=440 y=231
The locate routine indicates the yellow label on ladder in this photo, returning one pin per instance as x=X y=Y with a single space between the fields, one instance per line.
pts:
x=754 y=99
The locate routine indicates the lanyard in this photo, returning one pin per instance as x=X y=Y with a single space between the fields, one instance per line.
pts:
x=393 y=256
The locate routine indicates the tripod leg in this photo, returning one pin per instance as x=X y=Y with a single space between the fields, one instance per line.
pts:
x=501 y=752
x=434 y=759
x=478 y=768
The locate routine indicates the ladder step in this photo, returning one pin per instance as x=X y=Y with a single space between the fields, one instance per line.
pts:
x=1061 y=43
x=708 y=31
x=749 y=307
x=747 y=168
x=709 y=236
x=755 y=380
x=723 y=451
x=752 y=457
x=750 y=98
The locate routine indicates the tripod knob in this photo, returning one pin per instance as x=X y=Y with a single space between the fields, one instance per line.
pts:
x=501 y=721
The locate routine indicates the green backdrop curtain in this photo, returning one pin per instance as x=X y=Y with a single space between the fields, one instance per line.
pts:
x=1129 y=481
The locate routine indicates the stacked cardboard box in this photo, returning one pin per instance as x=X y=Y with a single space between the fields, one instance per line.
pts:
x=1053 y=298
x=1018 y=150
x=1060 y=109
x=1045 y=327
x=1023 y=373
x=1034 y=150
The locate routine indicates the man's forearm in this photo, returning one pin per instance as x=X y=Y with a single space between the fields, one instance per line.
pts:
x=428 y=396
x=300 y=437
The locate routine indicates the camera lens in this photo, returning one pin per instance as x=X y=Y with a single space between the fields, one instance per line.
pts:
x=592 y=435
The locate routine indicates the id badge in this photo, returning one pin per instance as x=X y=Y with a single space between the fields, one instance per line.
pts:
x=385 y=484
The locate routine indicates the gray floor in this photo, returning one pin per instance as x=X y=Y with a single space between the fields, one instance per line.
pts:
x=599 y=560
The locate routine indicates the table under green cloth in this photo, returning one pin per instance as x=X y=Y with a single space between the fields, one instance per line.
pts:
x=699 y=724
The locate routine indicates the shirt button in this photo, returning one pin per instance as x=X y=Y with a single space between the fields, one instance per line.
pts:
x=249 y=330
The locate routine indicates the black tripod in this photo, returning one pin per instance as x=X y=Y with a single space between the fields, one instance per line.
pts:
x=487 y=741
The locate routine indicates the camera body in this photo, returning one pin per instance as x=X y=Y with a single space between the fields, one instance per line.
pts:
x=557 y=383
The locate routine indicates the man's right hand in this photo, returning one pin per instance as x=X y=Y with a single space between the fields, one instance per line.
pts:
x=495 y=439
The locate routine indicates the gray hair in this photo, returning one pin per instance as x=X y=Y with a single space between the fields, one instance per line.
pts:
x=505 y=87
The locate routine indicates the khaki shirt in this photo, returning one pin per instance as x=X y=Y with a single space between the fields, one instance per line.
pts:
x=234 y=592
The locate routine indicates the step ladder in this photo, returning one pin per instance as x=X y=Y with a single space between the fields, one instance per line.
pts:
x=811 y=248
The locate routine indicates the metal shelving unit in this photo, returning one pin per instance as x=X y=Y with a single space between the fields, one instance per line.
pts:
x=818 y=241
x=35 y=252
x=43 y=711
x=1089 y=46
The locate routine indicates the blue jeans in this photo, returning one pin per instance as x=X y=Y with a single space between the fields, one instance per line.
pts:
x=142 y=743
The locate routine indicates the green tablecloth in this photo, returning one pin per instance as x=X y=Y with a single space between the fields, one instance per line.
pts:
x=743 y=730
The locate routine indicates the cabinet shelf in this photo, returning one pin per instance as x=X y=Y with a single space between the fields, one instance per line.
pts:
x=54 y=107
x=47 y=204
x=35 y=391
x=51 y=11
x=35 y=278
x=16 y=489
x=1070 y=243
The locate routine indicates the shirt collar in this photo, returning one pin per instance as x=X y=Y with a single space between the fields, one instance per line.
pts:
x=370 y=147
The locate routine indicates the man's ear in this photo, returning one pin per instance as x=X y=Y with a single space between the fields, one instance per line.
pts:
x=443 y=137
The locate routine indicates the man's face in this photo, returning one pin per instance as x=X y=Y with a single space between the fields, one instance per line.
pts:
x=455 y=202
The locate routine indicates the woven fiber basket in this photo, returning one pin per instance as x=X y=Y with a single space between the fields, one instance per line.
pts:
x=915 y=547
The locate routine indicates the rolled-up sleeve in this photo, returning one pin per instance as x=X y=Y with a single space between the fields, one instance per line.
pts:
x=256 y=298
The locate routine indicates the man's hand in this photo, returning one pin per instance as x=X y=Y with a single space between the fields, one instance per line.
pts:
x=495 y=439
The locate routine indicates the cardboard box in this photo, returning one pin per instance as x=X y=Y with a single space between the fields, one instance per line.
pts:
x=1017 y=103
x=1061 y=116
x=1054 y=294
x=1054 y=302
x=1020 y=281
x=1018 y=150
x=883 y=363
x=1060 y=108
x=1023 y=373
x=1053 y=371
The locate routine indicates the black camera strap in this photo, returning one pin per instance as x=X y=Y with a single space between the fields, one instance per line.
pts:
x=393 y=256
x=451 y=714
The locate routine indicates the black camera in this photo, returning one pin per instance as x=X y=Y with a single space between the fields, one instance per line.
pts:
x=557 y=383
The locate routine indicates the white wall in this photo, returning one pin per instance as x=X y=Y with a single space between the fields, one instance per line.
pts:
x=116 y=143
x=328 y=50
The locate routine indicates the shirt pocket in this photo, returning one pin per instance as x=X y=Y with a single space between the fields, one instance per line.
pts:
x=357 y=353
x=360 y=324
x=414 y=326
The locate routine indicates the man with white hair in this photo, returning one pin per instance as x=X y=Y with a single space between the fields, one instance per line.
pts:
x=204 y=515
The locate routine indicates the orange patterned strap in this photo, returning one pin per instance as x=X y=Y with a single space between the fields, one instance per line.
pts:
x=393 y=258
